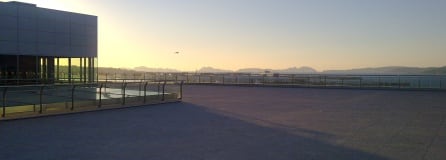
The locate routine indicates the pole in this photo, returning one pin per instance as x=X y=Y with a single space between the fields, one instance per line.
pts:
x=419 y=82
x=100 y=95
x=105 y=86
x=236 y=79
x=72 y=97
x=308 y=80
x=4 y=101
x=223 y=79
x=249 y=78
x=123 y=92
x=158 y=91
x=379 y=81
x=399 y=81
x=325 y=80
x=145 y=89
x=360 y=82
x=181 y=90
x=41 y=99
x=164 y=88
x=139 y=88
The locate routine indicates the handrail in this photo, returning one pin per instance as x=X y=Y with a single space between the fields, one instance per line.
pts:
x=70 y=98
x=403 y=81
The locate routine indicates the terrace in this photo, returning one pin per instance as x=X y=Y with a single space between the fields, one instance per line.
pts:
x=233 y=122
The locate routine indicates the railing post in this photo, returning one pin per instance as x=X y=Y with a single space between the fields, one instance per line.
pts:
x=360 y=82
x=249 y=78
x=100 y=95
x=134 y=76
x=419 y=82
x=164 y=87
x=105 y=86
x=72 y=96
x=159 y=88
x=139 y=88
x=63 y=73
x=399 y=81
x=41 y=99
x=4 y=102
x=199 y=78
x=124 y=86
x=223 y=79
x=308 y=80
x=379 y=81
x=145 y=90
x=236 y=79
x=181 y=90
x=325 y=80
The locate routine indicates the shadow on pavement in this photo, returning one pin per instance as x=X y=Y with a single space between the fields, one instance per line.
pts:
x=169 y=131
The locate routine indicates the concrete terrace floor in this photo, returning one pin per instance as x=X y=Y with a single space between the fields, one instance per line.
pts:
x=228 y=122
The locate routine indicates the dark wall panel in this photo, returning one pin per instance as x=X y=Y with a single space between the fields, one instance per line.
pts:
x=28 y=30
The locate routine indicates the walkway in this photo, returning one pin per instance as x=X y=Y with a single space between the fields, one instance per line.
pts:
x=227 y=122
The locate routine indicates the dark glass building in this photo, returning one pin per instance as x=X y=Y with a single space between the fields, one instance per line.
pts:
x=40 y=45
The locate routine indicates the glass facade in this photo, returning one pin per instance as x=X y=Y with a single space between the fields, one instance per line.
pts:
x=40 y=45
x=22 y=70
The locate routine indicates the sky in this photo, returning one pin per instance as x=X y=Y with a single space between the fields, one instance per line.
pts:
x=275 y=34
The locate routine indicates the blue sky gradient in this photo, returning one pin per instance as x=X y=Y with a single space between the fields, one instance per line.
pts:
x=233 y=34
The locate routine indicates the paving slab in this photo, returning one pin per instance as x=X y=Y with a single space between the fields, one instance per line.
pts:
x=230 y=122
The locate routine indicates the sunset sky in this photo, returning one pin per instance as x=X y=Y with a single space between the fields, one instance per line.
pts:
x=276 y=34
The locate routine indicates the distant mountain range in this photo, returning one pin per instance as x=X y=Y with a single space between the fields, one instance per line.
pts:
x=393 y=70
x=213 y=70
x=292 y=70
x=147 y=69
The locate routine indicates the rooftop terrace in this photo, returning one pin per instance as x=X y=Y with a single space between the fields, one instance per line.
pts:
x=229 y=122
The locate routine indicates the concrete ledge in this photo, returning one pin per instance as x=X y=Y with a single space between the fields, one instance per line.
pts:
x=65 y=111
x=317 y=87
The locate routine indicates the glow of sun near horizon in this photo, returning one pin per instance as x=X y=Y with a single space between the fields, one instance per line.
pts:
x=234 y=34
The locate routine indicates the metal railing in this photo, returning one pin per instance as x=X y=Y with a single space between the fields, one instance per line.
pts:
x=422 y=82
x=37 y=100
x=28 y=78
